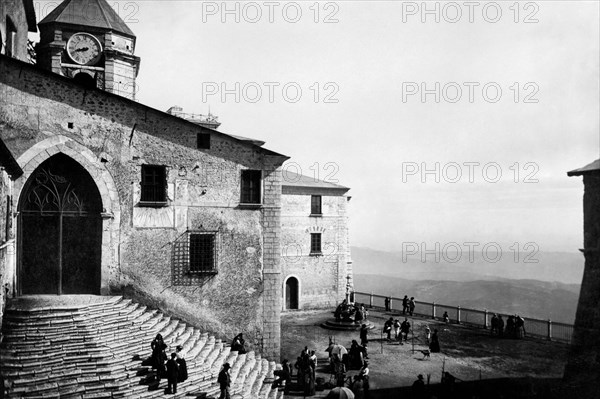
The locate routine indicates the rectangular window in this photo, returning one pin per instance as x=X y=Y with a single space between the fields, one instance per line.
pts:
x=251 y=187
x=315 y=205
x=203 y=141
x=154 y=185
x=202 y=253
x=315 y=244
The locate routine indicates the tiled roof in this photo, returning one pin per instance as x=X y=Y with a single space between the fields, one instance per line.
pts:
x=94 y=13
x=292 y=179
x=594 y=166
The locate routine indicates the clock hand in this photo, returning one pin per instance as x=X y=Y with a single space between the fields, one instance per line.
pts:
x=83 y=49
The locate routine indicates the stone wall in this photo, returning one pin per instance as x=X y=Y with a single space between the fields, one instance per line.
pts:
x=322 y=279
x=15 y=11
x=582 y=372
x=4 y=193
x=111 y=137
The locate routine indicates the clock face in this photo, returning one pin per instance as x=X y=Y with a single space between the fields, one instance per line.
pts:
x=84 y=49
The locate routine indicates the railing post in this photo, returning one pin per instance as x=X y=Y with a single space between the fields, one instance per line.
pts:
x=371 y=300
x=391 y=302
x=485 y=319
x=549 y=330
x=458 y=315
x=433 y=310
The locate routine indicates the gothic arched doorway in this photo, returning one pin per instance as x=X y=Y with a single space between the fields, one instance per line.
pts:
x=60 y=230
x=291 y=293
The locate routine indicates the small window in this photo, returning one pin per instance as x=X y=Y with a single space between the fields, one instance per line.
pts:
x=315 y=205
x=154 y=185
x=202 y=253
x=203 y=141
x=251 y=187
x=315 y=244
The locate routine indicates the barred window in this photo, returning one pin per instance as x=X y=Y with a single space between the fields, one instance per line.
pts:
x=251 y=187
x=315 y=205
x=315 y=244
x=154 y=184
x=202 y=253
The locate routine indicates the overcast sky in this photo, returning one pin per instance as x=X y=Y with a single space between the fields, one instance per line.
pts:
x=518 y=91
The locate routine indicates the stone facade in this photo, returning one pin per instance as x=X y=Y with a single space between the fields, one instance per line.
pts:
x=43 y=114
x=9 y=170
x=321 y=277
x=17 y=17
x=582 y=372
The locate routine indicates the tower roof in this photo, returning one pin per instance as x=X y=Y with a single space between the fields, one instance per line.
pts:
x=95 y=13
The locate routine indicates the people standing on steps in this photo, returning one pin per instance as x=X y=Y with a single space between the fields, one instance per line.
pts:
x=224 y=380
x=182 y=373
x=172 y=374
x=159 y=356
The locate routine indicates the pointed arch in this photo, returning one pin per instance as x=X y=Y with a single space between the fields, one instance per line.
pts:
x=31 y=159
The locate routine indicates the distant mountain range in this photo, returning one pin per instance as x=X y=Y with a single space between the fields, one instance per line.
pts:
x=552 y=266
x=548 y=289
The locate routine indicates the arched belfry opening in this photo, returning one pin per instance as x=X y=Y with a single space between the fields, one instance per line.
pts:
x=60 y=230
x=291 y=293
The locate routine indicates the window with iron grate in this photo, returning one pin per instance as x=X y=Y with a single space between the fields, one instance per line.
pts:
x=202 y=253
x=315 y=244
x=154 y=185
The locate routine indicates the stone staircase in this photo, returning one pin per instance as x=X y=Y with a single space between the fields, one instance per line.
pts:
x=99 y=350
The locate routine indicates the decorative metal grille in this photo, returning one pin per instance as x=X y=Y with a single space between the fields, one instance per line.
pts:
x=53 y=193
x=194 y=257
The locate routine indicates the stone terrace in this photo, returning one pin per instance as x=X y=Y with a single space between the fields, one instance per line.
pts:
x=96 y=347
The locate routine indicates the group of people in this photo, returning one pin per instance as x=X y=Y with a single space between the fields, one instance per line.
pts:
x=306 y=365
x=401 y=330
x=408 y=305
x=515 y=326
x=352 y=312
x=174 y=369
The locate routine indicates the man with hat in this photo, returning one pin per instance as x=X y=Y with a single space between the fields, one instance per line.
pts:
x=224 y=381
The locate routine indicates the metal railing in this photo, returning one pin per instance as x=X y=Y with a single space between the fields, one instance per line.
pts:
x=537 y=328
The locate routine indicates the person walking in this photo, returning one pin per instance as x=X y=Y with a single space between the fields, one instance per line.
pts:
x=172 y=374
x=224 y=380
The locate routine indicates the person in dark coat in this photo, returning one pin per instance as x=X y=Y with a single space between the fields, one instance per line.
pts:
x=404 y=304
x=387 y=328
x=183 y=373
x=238 y=344
x=224 y=380
x=404 y=329
x=494 y=329
x=387 y=304
x=418 y=387
x=172 y=374
x=364 y=339
x=434 y=346
x=500 y=326
x=358 y=388
x=411 y=305
x=159 y=356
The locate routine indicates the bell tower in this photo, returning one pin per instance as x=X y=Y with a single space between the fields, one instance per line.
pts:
x=87 y=40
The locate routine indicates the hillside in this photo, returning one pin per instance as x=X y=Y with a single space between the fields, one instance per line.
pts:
x=530 y=298
x=552 y=266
